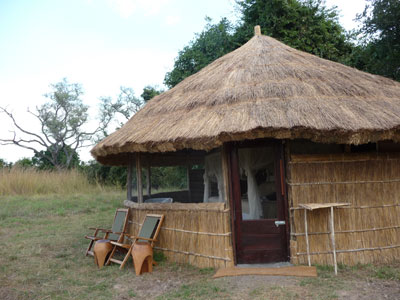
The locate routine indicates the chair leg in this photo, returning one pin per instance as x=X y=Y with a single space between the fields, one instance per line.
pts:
x=96 y=260
x=111 y=256
x=126 y=258
x=90 y=246
x=147 y=265
x=143 y=265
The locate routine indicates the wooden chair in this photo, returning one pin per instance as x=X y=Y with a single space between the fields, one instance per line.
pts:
x=116 y=233
x=148 y=233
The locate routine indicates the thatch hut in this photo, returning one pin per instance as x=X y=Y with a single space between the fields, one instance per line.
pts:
x=261 y=131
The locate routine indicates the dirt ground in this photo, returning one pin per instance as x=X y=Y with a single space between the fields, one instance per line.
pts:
x=170 y=281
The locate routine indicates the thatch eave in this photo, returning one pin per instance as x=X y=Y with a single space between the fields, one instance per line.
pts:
x=263 y=89
x=120 y=155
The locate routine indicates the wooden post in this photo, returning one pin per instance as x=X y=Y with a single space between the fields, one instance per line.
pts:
x=230 y=226
x=129 y=180
x=188 y=182
x=333 y=240
x=148 y=180
x=307 y=243
x=225 y=174
x=139 y=179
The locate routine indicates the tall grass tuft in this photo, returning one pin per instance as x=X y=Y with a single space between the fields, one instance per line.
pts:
x=29 y=181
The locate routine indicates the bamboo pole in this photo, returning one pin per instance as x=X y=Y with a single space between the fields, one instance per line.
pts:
x=139 y=179
x=350 y=250
x=129 y=180
x=356 y=207
x=188 y=182
x=148 y=180
x=194 y=254
x=225 y=175
x=333 y=241
x=342 y=182
x=347 y=231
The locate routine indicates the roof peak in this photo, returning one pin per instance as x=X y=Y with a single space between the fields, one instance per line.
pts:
x=257 y=30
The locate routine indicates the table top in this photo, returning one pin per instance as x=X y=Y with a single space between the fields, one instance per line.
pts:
x=312 y=206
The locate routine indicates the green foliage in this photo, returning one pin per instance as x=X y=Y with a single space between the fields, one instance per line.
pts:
x=161 y=177
x=380 y=51
x=169 y=177
x=39 y=159
x=24 y=163
x=213 y=42
x=159 y=256
x=386 y=272
x=305 y=25
x=104 y=175
x=5 y=164
x=150 y=92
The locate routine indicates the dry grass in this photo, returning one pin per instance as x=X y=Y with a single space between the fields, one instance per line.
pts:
x=29 y=181
x=263 y=89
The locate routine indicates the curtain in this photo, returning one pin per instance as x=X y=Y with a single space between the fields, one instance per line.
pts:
x=213 y=169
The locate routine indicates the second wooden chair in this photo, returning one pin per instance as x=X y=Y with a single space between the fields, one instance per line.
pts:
x=148 y=233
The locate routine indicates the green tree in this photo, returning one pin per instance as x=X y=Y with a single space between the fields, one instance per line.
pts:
x=379 y=51
x=150 y=92
x=62 y=119
x=98 y=173
x=305 y=25
x=24 y=163
x=39 y=161
x=4 y=164
x=213 y=42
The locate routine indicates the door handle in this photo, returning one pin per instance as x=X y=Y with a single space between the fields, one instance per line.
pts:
x=279 y=223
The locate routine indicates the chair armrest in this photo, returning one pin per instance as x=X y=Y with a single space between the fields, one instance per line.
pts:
x=97 y=228
x=141 y=238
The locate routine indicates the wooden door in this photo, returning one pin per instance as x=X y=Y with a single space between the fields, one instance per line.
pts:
x=260 y=234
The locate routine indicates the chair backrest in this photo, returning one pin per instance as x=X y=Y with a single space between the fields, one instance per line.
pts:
x=151 y=227
x=120 y=221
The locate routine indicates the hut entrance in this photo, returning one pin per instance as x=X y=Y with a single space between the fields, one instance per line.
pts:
x=257 y=190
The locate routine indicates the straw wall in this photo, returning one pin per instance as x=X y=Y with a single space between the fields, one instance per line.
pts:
x=367 y=231
x=198 y=234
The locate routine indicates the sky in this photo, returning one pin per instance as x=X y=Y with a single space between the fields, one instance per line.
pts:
x=101 y=44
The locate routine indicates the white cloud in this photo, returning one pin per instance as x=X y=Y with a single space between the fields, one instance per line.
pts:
x=172 y=20
x=127 y=8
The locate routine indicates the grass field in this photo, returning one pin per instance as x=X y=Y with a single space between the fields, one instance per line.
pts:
x=29 y=181
x=42 y=257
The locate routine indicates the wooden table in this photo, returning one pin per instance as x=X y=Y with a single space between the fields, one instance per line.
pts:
x=314 y=206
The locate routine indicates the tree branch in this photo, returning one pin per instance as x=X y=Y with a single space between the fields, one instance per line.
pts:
x=2 y=109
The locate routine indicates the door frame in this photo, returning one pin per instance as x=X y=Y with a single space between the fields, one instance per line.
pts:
x=231 y=150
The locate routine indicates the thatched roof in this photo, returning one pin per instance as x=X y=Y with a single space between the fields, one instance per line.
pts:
x=263 y=89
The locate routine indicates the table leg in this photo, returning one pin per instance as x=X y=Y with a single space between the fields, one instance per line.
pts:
x=307 y=243
x=333 y=241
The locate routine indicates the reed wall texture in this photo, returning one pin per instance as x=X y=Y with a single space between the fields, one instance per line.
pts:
x=368 y=230
x=197 y=234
